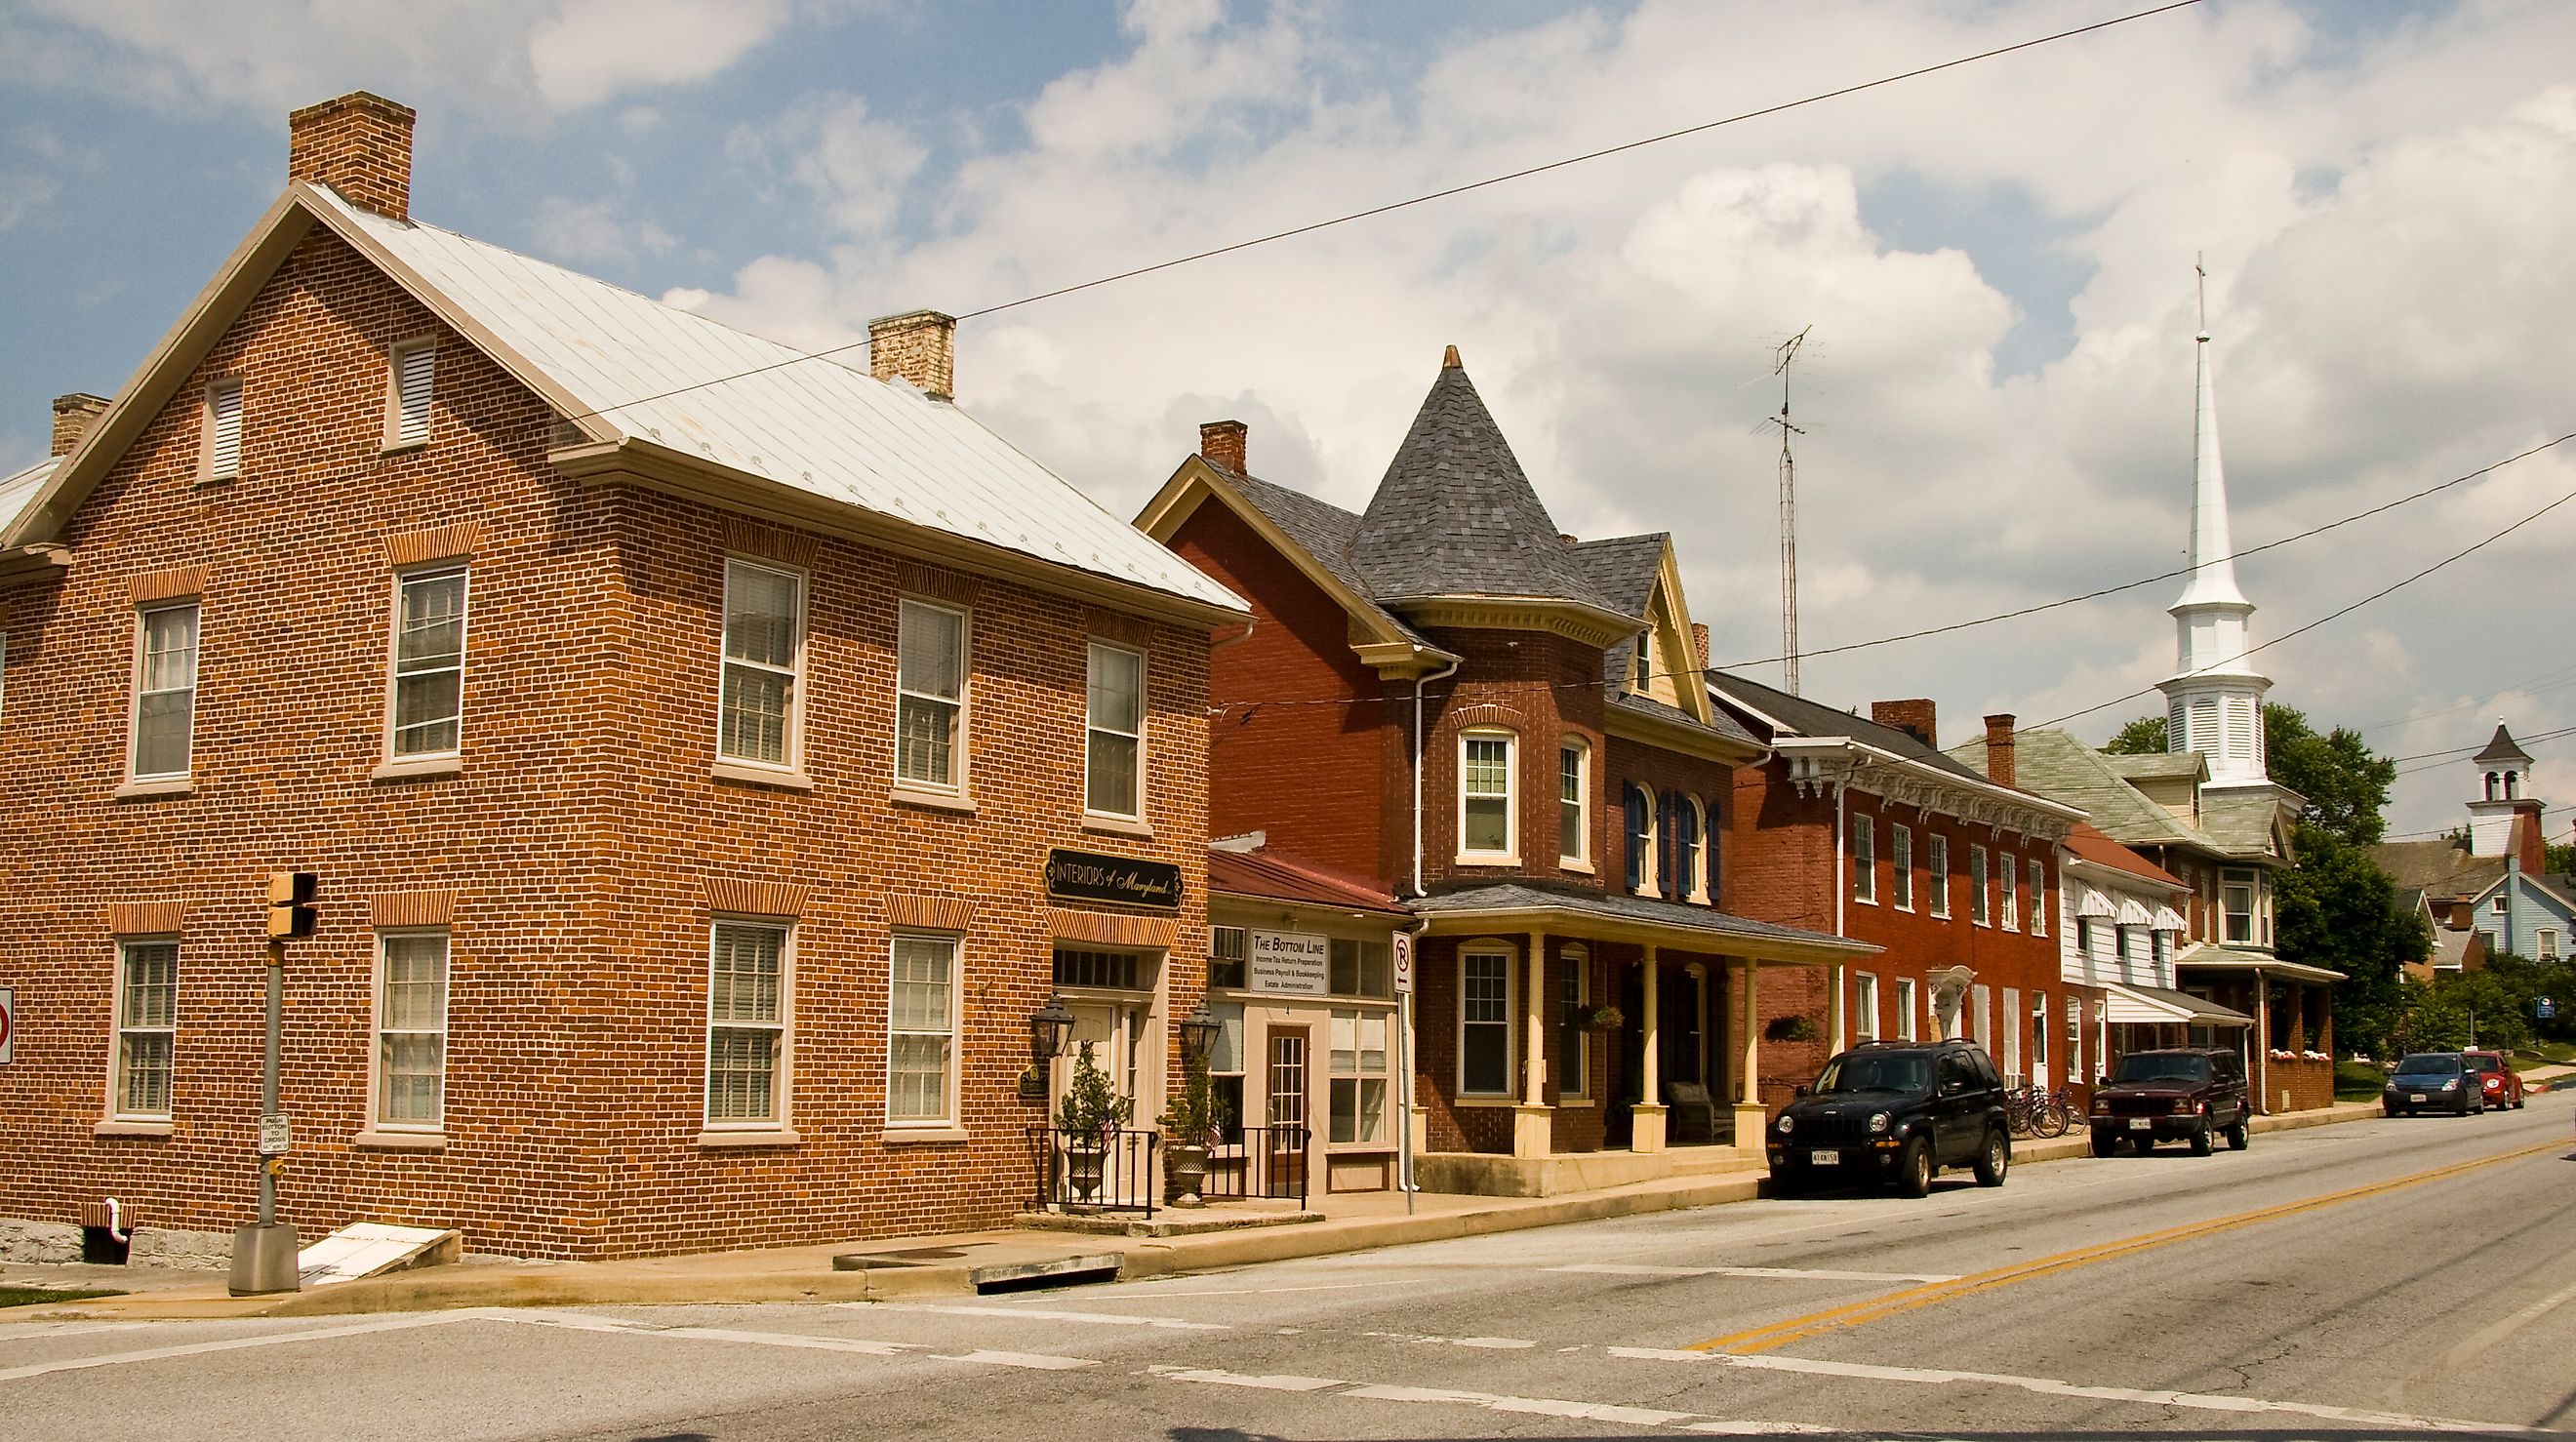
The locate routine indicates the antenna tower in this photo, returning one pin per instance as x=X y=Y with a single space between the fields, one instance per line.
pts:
x=1787 y=353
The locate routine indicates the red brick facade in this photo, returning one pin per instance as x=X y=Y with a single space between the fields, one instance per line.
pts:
x=578 y=854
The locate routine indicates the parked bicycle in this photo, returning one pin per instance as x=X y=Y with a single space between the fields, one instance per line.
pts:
x=2035 y=1112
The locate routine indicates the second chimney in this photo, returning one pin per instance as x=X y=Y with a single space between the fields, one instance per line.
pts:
x=1222 y=443
x=1699 y=642
x=1999 y=750
x=72 y=416
x=919 y=346
x=1914 y=718
x=359 y=145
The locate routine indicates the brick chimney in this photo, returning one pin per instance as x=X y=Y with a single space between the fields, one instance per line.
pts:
x=72 y=416
x=1222 y=443
x=359 y=145
x=2527 y=842
x=1699 y=642
x=919 y=346
x=1999 y=750
x=1914 y=718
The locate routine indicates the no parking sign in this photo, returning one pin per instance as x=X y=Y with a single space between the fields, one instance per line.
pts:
x=8 y=1021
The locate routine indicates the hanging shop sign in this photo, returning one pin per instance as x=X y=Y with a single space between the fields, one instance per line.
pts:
x=1092 y=876
x=1288 y=963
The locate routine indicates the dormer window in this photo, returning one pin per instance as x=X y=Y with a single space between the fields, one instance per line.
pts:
x=1641 y=661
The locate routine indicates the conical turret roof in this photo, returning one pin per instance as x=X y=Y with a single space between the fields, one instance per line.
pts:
x=1455 y=515
x=2501 y=749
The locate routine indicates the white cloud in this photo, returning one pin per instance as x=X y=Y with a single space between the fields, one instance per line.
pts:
x=595 y=230
x=592 y=50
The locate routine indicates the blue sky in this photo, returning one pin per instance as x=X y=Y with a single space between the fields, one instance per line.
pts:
x=1997 y=262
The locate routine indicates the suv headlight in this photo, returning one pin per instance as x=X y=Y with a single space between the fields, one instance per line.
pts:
x=2101 y=1106
x=1782 y=1124
x=1877 y=1122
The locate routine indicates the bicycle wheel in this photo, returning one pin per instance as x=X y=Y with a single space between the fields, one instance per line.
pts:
x=2054 y=1117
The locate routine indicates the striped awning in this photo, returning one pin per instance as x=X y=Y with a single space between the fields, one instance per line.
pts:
x=2133 y=912
x=2156 y=1005
x=2095 y=904
x=2168 y=919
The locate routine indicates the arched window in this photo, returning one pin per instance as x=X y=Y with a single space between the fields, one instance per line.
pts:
x=1640 y=820
x=1703 y=869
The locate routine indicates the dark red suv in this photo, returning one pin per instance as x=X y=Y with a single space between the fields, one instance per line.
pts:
x=2181 y=1094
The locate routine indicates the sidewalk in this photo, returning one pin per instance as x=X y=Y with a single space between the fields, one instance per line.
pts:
x=885 y=1268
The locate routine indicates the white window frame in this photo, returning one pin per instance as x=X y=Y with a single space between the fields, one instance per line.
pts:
x=1937 y=874
x=1574 y=993
x=1900 y=867
x=1649 y=855
x=1696 y=882
x=1511 y=1022
x=1579 y=807
x=378 y=1072
x=1863 y=833
x=2038 y=889
x=2039 y=1024
x=1358 y=1075
x=781 y=1025
x=142 y=659
x=125 y=1028
x=395 y=675
x=958 y=706
x=1908 y=1011
x=2229 y=881
x=1093 y=730
x=220 y=415
x=2502 y=906
x=792 y=740
x=2009 y=867
x=1864 y=1006
x=948 y=1116
x=2544 y=941
x=1511 y=744
x=400 y=432
x=1980 y=905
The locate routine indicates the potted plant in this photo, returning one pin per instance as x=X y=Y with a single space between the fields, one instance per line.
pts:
x=1792 y=1028
x=1605 y=1018
x=1194 y=1122
x=1090 y=1114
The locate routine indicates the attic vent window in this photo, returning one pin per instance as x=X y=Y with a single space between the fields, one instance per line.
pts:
x=415 y=364
x=223 y=430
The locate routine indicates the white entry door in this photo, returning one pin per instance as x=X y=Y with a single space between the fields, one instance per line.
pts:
x=1117 y=1034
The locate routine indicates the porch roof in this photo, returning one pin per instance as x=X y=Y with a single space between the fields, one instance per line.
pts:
x=2156 y=1005
x=2228 y=958
x=1602 y=917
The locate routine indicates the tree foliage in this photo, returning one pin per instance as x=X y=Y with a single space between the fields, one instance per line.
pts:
x=2142 y=737
x=2491 y=1007
x=2337 y=909
x=2345 y=782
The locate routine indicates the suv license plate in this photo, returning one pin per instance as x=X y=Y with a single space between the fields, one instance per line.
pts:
x=2418 y=1097
x=1825 y=1159
x=2142 y=1124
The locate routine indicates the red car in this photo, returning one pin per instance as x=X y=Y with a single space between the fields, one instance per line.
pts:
x=2503 y=1086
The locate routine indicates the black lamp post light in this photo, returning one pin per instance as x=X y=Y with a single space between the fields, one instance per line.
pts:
x=1049 y=1027
x=1199 y=1033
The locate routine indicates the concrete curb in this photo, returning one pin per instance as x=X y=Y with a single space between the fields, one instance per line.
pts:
x=778 y=1278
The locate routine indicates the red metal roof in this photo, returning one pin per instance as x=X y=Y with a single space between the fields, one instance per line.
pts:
x=2091 y=845
x=1268 y=874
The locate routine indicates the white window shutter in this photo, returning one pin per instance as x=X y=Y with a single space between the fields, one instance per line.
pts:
x=411 y=406
x=224 y=412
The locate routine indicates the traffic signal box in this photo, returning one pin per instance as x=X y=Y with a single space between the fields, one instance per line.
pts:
x=290 y=905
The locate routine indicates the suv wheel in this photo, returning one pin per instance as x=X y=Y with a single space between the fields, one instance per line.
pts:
x=2241 y=1135
x=2105 y=1143
x=1914 y=1168
x=1993 y=1160
x=2200 y=1141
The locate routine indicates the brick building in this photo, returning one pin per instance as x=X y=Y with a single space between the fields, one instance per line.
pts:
x=1446 y=697
x=684 y=733
x=1864 y=826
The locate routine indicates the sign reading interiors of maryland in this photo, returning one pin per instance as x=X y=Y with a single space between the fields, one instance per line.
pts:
x=1091 y=876
x=1288 y=963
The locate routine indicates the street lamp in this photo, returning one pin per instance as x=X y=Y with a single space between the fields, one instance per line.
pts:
x=1199 y=1033
x=1049 y=1025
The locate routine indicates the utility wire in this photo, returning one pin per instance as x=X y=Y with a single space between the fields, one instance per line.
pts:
x=1424 y=199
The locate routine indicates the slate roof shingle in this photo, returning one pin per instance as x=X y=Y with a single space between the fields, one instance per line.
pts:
x=2056 y=765
x=1802 y=717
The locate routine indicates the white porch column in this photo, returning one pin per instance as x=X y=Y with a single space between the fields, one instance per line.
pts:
x=1750 y=1115
x=1533 y=1122
x=1834 y=1008
x=1646 y=1122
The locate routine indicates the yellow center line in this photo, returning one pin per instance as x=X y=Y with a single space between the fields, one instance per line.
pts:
x=1854 y=1314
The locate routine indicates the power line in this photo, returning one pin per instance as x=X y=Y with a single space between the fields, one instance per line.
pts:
x=2016 y=614
x=1426 y=198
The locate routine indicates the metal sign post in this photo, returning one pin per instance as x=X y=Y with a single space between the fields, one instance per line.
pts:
x=264 y=1252
x=1404 y=1067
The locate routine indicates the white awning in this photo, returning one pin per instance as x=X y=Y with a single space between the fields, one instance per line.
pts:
x=2133 y=912
x=2168 y=919
x=2095 y=904
x=2157 y=1006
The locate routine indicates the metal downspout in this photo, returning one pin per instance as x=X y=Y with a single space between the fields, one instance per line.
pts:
x=1418 y=683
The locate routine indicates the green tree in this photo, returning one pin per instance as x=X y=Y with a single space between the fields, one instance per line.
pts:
x=2142 y=737
x=2345 y=783
x=2474 y=1008
x=2337 y=909
x=2562 y=859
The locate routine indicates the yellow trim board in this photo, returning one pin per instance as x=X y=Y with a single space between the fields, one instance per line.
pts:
x=1854 y=1314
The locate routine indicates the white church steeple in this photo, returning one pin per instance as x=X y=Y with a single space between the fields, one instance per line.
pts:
x=2214 y=701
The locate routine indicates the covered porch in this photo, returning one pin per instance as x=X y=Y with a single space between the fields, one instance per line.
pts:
x=1569 y=1041
x=2289 y=1049
x=2144 y=1018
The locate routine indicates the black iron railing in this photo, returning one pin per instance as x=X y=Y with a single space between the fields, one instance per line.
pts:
x=1106 y=1171
x=1273 y=1163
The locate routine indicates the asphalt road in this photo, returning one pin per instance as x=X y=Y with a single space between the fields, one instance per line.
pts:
x=2373 y=1279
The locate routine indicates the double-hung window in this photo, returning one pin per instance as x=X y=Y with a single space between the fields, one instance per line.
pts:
x=1905 y=1009
x=1485 y=830
x=930 y=696
x=746 y=1025
x=1977 y=900
x=165 y=691
x=1359 y=1076
x=147 y=1021
x=1573 y=804
x=2010 y=877
x=1900 y=867
x=2237 y=895
x=1864 y=1007
x=414 y=366
x=1574 y=1034
x=921 y=1056
x=1229 y=956
x=764 y=625
x=1485 y=1024
x=2038 y=898
x=1639 y=814
x=429 y=662
x=1114 y=732
x=1359 y=968
x=1864 y=859
x=411 y=1030
x=1936 y=874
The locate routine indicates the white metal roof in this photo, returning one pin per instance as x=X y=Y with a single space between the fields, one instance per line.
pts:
x=18 y=490
x=658 y=373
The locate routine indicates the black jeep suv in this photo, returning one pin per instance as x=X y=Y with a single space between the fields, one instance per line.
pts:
x=2180 y=1094
x=1894 y=1111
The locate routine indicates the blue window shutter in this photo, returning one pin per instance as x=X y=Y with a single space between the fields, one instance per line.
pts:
x=1669 y=853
